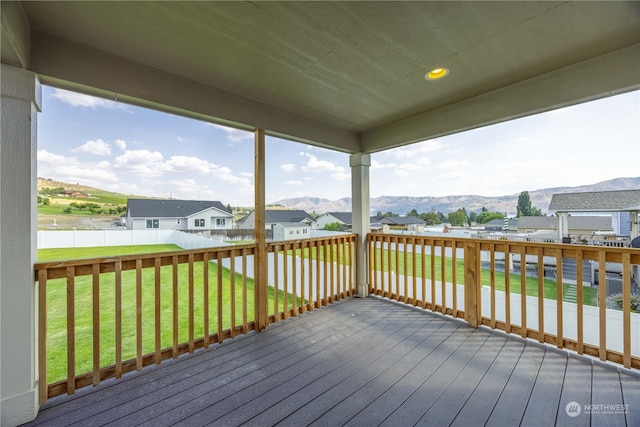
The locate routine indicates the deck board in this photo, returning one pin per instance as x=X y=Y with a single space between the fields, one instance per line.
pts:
x=360 y=362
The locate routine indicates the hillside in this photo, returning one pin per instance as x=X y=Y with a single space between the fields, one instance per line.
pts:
x=95 y=195
x=403 y=204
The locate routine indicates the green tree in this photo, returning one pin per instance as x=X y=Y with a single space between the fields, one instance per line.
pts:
x=486 y=216
x=431 y=218
x=333 y=226
x=457 y=218
x=524 y=207
x=413 y=213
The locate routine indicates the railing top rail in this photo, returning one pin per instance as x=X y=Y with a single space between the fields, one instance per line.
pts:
x=134 y=257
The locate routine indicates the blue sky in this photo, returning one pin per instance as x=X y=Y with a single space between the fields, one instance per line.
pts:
x=131 y=150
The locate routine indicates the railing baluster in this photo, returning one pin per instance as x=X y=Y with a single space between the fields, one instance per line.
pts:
x=138 y=314
x=303 y=304
x=232 y=290
x=523 y=292
x=205 y=298
x=318 y=279
x=414 y=272
x=158 y=326
x=294 y=278
x=507 y=287
x=332 y=293
x=423 y=273
x=432 y=254
x=118 y=269
x=285 y=293
x=454 y=282
x=276 y=285
x=602 y=302
x=492 y=255
x=325 y=299
x=443 y=277
x=219 y=288
x=95 y=289
x=43 y=389
x=559 y=300
x=626 y=310
x=405 y=270
x=190 y=302
x=541 y=295
x=174 y=263
x=71 y=328
x=245 y=302
x=579 y=301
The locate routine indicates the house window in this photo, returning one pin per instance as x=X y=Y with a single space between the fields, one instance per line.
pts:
x=199 y=222
x=220 y=222
x=304 y=231
x=153 y=223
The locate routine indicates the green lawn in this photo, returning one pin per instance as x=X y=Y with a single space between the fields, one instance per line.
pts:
x=550 y=288
x=57 y=308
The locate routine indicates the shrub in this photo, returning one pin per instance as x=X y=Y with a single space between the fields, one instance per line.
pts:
x=615 y=302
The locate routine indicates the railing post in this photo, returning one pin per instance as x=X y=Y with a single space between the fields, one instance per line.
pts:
x=360 y=163
x=471 y=283
x=261 y=260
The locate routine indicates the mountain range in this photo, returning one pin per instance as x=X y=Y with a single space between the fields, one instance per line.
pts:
x=445 y=204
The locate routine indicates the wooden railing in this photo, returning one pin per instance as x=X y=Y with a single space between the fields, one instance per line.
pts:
x=101 y=318
x=572 y=314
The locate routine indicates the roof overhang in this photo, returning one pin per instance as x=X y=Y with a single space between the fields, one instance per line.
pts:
x=343 y=75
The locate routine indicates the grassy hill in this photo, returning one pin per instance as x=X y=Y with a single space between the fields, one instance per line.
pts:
x=84 y=208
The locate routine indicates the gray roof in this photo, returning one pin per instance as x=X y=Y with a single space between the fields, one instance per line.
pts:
x=401 y=220
x=145 y=208
x=595 y=223
x=344 y=217
x=291 y=224
x=499 y=222
x=286 y=215
x=597 y=201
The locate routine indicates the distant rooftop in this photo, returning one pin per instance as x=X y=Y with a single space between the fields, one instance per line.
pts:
x=139 y=208
x=597 y=201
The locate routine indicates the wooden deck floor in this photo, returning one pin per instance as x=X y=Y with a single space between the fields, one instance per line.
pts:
x=363 y=362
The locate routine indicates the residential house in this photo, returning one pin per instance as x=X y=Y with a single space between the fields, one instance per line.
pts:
x=149 y=214
x=623 y=206
x=407 y=223
x=343 y=218
x=578 y=225
x=498 y=224
x=291 y=231
x=277 y=216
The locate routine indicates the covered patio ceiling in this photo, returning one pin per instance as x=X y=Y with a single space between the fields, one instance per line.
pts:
x=349 y=76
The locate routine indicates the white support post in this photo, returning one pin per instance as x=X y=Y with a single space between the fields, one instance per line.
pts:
x=20 y=103
x=563 y=226
x=360 y=163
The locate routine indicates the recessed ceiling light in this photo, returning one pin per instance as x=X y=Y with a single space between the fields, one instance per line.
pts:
x=436 y=74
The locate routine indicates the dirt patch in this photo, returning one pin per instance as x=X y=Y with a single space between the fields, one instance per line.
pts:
x=76 y=222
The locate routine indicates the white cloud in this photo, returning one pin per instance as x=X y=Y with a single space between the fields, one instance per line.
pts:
x=187 y=164
x=69 y=169
x=97 y=147
x=80 y=100
x=415 y=150
x=340 y=174
x=235 y=135
x=288 y=167
x=120 y=143
x=141 y=162
x=225 y=174
x=181 y=139
x=295 y=182
x=454 y=164
x=315 y=165
x=246 y=174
